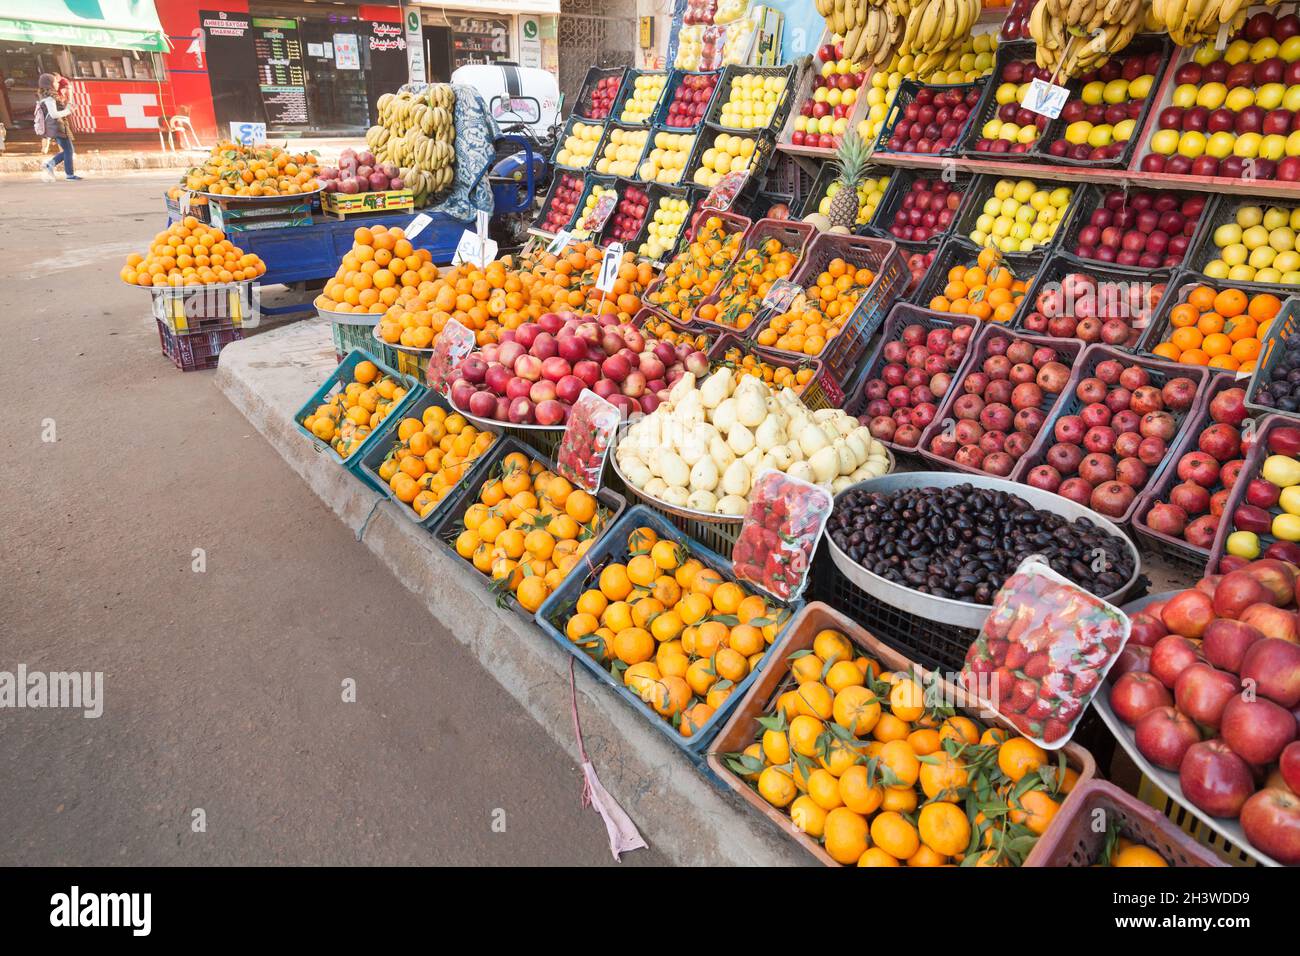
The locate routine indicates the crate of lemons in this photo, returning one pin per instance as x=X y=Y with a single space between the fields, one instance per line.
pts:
x=860 y=762
x=669 y=627
x=429 y=457
x=525 y=527
x=347 y=417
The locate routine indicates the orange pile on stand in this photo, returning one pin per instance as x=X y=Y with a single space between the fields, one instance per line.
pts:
x=829 y=303
x=1221 y=329
x=988 y=290
x=191 y=253
x=777 y=376
x=232 y=169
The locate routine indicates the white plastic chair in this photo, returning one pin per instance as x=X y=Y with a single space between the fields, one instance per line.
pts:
x=181 y=126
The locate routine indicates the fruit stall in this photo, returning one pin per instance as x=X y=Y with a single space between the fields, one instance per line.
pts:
x=907 y=427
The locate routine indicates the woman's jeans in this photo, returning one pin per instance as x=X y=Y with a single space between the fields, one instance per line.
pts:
x=64 y=155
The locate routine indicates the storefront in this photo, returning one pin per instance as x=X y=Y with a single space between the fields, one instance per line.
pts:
x=110 y=51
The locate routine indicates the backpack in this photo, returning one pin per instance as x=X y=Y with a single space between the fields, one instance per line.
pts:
x=40 y=120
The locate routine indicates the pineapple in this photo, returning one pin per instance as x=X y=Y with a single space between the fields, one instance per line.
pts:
x=850 y=169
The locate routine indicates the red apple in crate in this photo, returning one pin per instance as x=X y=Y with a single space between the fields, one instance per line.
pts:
x=1271 y=821
x=1164 y=736
x=1215 y=779
x=1137 y=694
x=1202 y=691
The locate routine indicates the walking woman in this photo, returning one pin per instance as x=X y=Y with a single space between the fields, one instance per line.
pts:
x=54 y=113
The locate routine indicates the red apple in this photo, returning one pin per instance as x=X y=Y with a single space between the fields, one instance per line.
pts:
x=1137 y=694
x=1226 y=643
x=1164 y=735
x=1238 y=591
x=1188 y=613
x=1171 y=656
x=1202 y=691
x=1215 y=779
x=1271 y=821
x=1272 y=622
x=1289 y=765
x=1272 y=666
x=1257 y=729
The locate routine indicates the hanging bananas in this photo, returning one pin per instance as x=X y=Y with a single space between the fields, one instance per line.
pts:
x=871 y=41
x=1190 y=22
x=1076 y=36
x=934 y=30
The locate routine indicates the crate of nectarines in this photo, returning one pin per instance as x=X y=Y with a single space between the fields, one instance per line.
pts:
x=660 y=618
x=864 y=759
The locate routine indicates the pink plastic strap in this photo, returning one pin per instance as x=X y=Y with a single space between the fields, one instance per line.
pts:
x=623 y=834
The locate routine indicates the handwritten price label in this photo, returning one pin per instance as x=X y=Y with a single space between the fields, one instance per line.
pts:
x=1046 y=99
x=609 y=267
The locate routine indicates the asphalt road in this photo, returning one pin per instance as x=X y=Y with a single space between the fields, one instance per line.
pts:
x=222 y=688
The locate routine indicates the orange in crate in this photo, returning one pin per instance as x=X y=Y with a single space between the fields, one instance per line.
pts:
x=1219 y=328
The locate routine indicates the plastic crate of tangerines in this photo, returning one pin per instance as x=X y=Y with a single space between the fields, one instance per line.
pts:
x=863 y=759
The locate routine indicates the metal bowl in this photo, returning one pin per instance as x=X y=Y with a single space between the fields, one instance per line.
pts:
x=708 y=517
x=491 y=424
x=1167 y=780
x=350 y=318
x=949 y=610
x=396 y=346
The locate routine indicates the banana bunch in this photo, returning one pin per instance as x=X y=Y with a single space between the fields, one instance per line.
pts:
x=872 y=40
x=843 y=16
x=416 y=132
x=1190 y=22
x=934 y=29
x=1076 y=36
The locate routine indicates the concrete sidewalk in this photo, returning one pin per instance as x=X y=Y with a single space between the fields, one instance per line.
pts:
x=680 y=813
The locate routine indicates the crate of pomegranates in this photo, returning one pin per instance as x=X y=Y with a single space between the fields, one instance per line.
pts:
x=993 y=415
x=1070 y=298
x=919 y=356
x=561 y=202
x=920 y=204
x=600 y=92
x=1178 y=515
x=1111 y=436
x=931 y=120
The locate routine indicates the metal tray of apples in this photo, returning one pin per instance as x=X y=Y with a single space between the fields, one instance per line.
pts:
x=963 y=613
x=1167 y=780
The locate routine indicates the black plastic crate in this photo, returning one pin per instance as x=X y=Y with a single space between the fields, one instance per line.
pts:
x=1012 y=50
x=982 y=189
x=900 y=184
x=675 y=77
x=195 y=351
x=826 y=175
x=764 y=147
x=625 y=95
x=654 y=192
x=590 y=182
x=1112 y=282
x=1282 y=329
x=690 y=158
x=582 y=105
x=1141 y=46
x=1091 y=196
x=956 y=251
x=574 y=120
x=1180 y=286
x=723 y=94
x=607 y=138
x=1224 y=211
x=906 y=94
x=556 y=181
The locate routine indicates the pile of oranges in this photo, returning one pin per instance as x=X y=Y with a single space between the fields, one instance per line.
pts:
x=988 y=290
x=829 y=303
x=861 y=763
x=1221 y=329
x=191 y=253
x=777 y=376
x=681 y=636
x=528 y=529
x=349 y=415
x=508 y=292
x=658 y=327
x=697 y=270
x=232 y=169
x=373 y=273
x=430 y=456
x=750 y=279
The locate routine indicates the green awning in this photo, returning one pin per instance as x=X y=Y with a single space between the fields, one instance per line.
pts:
x=119 y=24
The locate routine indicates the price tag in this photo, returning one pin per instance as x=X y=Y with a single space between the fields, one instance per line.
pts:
x=588 y=434
x=595 y=220
x=562 y=239
x=727 y=189
x=1046 y=99
x=474 y=249
x=609 y=267
x=417 y=225
x=454 y=343
x=782 y=295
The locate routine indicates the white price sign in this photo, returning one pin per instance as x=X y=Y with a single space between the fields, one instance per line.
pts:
x=1046 y=99
x=417 y=225
x=248 y=134
x=562 y=239
x=474 y=249
x=609 y=267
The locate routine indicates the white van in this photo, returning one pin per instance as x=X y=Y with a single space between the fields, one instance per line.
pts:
x=515 y=94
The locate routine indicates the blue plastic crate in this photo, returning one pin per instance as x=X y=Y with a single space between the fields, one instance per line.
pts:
x=452 y=509
x=613 y=546
x=373 y=458
x=338 y=380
